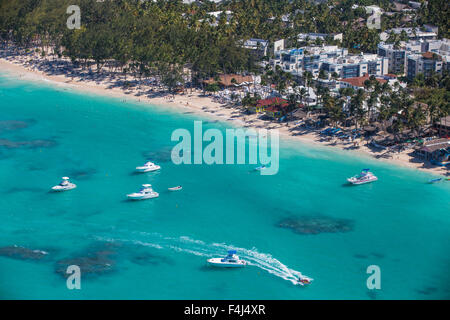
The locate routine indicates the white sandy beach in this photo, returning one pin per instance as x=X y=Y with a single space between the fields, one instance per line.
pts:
x=195 y=102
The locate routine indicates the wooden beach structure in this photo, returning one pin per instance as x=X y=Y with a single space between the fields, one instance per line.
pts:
x=443 y=127
x=437 y=150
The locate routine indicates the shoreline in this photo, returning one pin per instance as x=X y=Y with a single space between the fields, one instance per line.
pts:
x=195 y=103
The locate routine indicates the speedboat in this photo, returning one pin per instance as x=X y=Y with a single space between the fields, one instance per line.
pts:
x=364 y=177
x=176 y=188
x=260 y=168
x=148 y=167
x=230 y=261
x=64 y=185
x=146 y=192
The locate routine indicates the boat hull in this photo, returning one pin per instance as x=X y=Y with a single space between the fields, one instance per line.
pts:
x=61 y=189
x=217 y=262
x=147 y=169
x=304 y=281
x=356 y=182
x=141 y=197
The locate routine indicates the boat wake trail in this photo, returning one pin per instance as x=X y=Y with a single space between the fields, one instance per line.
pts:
x=266 y=262
x=184 y=244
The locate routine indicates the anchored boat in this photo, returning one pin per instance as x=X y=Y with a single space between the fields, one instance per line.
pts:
x=364 y=177
x=176 y=188
x=230 y=261
x=148 y=167
x=64 y=185
x=146 y=192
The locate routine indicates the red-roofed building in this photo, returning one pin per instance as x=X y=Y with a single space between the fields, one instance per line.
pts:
x=274 y=107
x=430 y=55
x=357 y=82
x=262 y=105
x=277 y=111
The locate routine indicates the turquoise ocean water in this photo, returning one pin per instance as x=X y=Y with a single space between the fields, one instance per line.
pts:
x=157 y=249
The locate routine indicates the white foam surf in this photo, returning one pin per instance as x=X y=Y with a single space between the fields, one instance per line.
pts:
x=185 y=244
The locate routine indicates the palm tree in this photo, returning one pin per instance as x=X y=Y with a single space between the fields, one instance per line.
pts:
x=336 y=112
x=357 y=107
x=307 y=77
x=302 y=93
x=416 y=120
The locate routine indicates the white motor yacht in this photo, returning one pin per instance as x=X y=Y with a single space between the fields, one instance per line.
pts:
x=364 y=177
x=146 y=192
x=148 y=167
x=230 y=261
x=64 y=185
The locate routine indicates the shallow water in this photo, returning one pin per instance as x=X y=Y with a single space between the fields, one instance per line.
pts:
x=157 y=249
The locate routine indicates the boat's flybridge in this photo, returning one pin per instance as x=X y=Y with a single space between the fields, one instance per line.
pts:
x=231 y=257
x=146 y=192
x=230 y=261
x=148 y=167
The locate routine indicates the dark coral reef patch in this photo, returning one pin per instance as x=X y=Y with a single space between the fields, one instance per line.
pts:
x=94 y=261
x=22 y=253
x=316 y=225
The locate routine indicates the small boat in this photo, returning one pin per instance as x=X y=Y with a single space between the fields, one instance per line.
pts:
x=364 y=177
x=435 y=180
x=64 y=185
x=176 y=188
x=260 y=168
x=230 y=261
x=146 y=192
x=148 y=167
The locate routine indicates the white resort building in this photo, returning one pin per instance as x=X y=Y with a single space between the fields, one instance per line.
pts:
x=331 y=59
